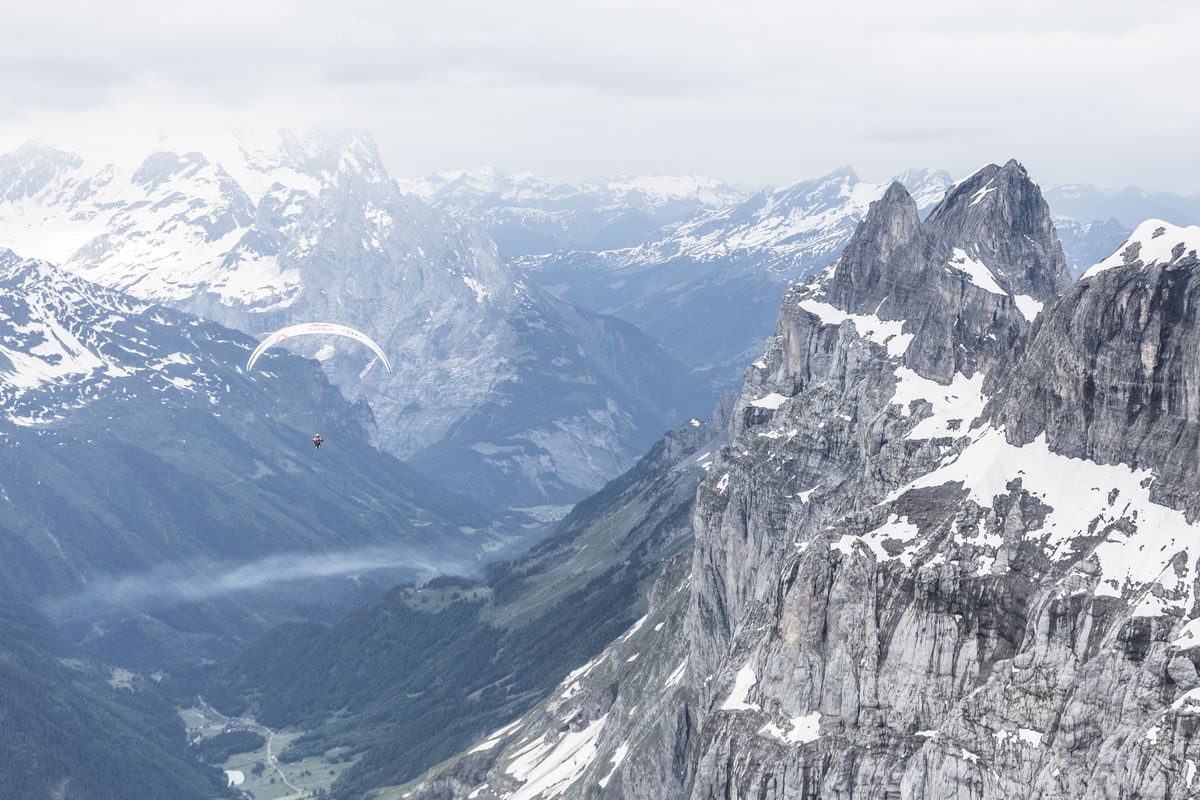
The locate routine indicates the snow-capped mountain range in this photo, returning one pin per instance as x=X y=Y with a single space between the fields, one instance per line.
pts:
x=499 y=389
x=267 y=233
x=53 y=362
x=949 y=549
x=1153 y=243
x=526 y=216
x=708 y=286
x=699 y=280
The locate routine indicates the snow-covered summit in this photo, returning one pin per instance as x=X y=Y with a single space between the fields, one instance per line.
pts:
x=1152 y=242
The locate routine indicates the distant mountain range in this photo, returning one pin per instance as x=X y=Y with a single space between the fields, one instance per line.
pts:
x=704 y=281
x=499 y=389
x=528 y=216
x=142 y=470
x=708 y=286
x=1129 y=206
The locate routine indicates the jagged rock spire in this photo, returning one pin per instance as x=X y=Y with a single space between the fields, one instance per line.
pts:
x=899 y=589
x=881 y=255
x=999 y=216
x=966 y=281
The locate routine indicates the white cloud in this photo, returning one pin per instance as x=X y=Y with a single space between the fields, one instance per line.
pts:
x=752 y=92
x=188 y=582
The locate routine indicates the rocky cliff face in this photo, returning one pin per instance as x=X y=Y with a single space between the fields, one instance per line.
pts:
x=948 y=551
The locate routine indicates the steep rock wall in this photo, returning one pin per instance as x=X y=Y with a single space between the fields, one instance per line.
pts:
x=946 y=552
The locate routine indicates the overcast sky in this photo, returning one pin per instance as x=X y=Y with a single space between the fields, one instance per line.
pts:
x=753 y=91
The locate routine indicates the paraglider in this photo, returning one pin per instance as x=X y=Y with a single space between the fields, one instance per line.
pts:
x=305 y=328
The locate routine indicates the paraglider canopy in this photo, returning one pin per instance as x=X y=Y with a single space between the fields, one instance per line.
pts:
x=305 y=328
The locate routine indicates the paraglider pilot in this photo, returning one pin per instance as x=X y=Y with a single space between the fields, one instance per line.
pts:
x=316 y=440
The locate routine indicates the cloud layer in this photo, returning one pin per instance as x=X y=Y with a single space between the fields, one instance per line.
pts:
x=171 y=585
x=753 y=92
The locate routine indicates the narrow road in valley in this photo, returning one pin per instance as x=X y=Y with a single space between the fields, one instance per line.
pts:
x=272 y=760
x=269 y=734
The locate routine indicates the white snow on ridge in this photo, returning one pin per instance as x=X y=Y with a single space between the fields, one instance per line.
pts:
x=1083 y=494
x=1028 y=307
x=888 y=333
x=1188 y=637
x=968 y=177
x=494 y=739
x=1155 y=242
x=60 y=354
x=677 y=675
x=1025 y=736
x=896 y=529
x=481 y=293
x=976 y=270
x=254 y=278
x=984 y=192
x=771 y=402
x=617 y=757
x=804 y=729
x=571 y=683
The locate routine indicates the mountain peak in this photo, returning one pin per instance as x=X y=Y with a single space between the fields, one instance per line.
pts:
x=1153 y=242
x=965 y=281
x=872 y=266
x=1109 y=373
x=985 y=185
x=999 y=217
x=33 y=166
x=161 y=167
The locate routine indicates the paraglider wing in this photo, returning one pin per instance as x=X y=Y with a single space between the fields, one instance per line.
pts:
x=305 y=328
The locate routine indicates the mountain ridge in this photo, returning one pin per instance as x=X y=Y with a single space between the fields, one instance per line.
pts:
x=909 y=577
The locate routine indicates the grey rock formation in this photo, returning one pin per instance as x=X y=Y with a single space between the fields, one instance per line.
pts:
x=947 y=552
x=1110 y=375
